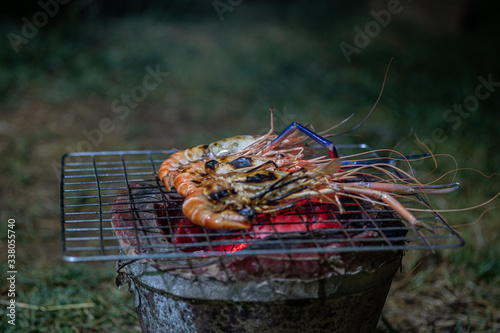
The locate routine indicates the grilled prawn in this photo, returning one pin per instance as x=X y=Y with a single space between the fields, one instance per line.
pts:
x=228 y=182
x=229 y=193
x=284 y=149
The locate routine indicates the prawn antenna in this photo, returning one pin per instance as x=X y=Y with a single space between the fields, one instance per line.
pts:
x=374 y=105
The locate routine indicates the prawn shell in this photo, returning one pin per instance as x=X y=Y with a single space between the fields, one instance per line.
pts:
x=231 y=145
x=199 y=210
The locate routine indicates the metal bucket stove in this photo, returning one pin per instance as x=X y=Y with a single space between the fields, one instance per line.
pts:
x=311 y=268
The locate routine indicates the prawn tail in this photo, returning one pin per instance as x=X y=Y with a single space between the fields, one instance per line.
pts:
x=199 y=210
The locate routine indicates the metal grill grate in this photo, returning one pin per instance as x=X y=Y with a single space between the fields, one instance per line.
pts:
x=114 y=207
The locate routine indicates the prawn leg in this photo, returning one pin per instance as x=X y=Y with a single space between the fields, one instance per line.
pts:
x=199 y=210
x=410 y=188
x=382 y=194
x=316 y=137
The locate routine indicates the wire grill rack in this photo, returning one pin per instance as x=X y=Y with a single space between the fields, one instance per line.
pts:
x=114 y=207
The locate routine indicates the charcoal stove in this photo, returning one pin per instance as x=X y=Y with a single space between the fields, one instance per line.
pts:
x=311 y=268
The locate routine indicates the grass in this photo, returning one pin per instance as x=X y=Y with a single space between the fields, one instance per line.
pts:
x=223 y=77
x=70 y=298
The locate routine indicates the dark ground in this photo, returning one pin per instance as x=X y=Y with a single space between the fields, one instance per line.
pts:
x=226 y=66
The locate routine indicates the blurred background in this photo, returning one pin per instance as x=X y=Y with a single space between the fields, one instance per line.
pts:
x=89 y=75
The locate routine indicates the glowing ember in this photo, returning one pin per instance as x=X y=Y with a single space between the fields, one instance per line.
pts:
x=303 y=217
